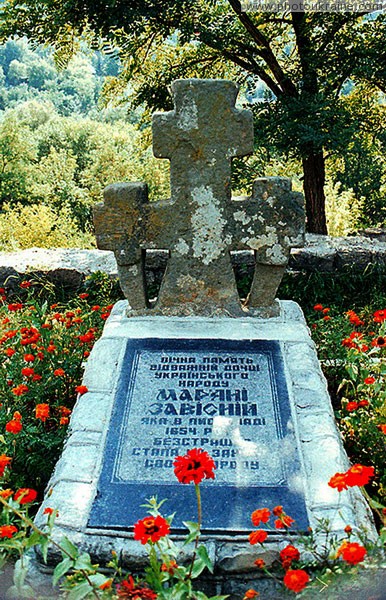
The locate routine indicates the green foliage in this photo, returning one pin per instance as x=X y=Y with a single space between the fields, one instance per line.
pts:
x=40 y=226
x=343 y=210
x=42 y=354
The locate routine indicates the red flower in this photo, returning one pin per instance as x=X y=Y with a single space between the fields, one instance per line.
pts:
x=251 y=594
x=128 y=589
x=296 y=580
x=277 y=511
x=288 y=554
x=369 y=380
x=42 y=412
x=195 y=466
x=27 y=372
x=259 y=562
x=338 y=481
x=351 y=406
x=359 y=475
x=48 y=511
x=81 y=389
x=261 y=515
x=170 y=567
x=29 y=357
x=83 y=296
x=284 y=521
x=7 y=531
x=25 y=495
x=15 y=306
x=25 y=285
x=382 y=427
x=4 y=462
x=348 y=529
x=352 y=552
x=363 y=403
x=379 y=341
x=318 y=307
x=258 y=537
x=380 y=316
x=59 y=373
x=327 y=318
x=20 y=389
x=13 y=426
x=151 y=528
x=6 y=493
x=10 y=352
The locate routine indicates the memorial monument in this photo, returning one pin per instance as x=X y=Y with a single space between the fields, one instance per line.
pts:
x=198 y=368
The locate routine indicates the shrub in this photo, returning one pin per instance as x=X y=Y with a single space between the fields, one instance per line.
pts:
x=38 y=225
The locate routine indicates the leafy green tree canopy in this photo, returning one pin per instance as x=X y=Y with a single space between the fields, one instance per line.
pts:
x=304 y=60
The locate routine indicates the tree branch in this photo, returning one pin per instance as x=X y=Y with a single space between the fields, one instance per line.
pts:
x=264 y=50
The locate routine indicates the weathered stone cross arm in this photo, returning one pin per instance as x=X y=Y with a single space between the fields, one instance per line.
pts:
x=270 y=222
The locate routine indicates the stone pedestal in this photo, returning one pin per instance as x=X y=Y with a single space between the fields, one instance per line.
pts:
x=299 y=453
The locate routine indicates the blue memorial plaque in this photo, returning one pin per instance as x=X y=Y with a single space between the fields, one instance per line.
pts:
x=228 y=397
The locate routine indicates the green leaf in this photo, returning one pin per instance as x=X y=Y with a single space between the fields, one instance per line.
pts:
x=83 y=589
x=194 y=531
x=203 y=554
x=84 y=562
x=35 y=539
x=61 y=569
x=16 y=593
x=69 y=548
x=375 y=504
x=20 y=571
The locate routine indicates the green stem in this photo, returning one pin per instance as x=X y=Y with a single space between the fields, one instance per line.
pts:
x=199 y=521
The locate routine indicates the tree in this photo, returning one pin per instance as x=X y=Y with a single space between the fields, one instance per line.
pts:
x=303 y=59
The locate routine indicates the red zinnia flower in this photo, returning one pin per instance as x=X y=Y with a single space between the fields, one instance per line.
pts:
x=352 y=552
x=251 y=594
x=25 y=284
x=359 y=475
x=284 y=521
x=7 y=531
x=258 y=537
x=382 y=427
x=20 y=389
x=151 y=528
x=351 y=406
x=289 y=553
x=363 y=403
x=277 y=511
x=6 y=493
x=259 y=562
x=195 y=466
x=42 y=412
x=10 y=352
x=369 y=380
x=81 y=389
x=379 y=316
x=128 y=589
x=48 y=511
x=379 y=341
x=261 y=515
x=4 y=462
x=25 y=495
x=59 y=373
x=15 y=306
x=338 y=481
x=13 y=426
x=27 y=372
x=296 y=580
x=318 y=307
x=29 y=357
x=83 y=296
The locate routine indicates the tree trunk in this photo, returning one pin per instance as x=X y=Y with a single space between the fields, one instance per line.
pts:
x=313 y=185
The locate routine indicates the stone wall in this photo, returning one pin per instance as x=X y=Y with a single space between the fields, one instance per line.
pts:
x=68 y=267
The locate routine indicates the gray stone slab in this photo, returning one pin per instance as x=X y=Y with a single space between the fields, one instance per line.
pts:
x=320 y=456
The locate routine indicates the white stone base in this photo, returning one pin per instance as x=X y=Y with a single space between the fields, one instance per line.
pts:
x=73 y=484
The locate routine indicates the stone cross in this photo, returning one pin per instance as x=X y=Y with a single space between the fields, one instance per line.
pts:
x=200 y=224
